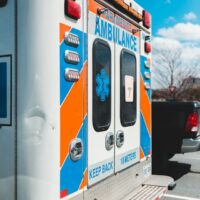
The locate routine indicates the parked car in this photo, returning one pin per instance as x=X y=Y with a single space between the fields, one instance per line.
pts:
x=175 y=129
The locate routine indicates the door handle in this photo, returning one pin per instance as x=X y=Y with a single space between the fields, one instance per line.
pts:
x=120 y=139
x=76 y=149
x=109 y=141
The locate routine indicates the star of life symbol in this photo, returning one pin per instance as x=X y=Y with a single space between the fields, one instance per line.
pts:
x=102 y=89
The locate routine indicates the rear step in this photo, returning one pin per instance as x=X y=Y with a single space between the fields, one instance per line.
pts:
x=147 y=192
x=153 y=189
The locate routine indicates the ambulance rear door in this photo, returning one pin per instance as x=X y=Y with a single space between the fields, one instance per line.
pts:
x=127 y=113
x=100 y=93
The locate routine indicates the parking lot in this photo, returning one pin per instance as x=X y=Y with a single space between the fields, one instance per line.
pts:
x=185 y=169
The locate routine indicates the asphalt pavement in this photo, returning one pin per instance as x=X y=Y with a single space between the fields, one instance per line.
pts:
x=185 y=169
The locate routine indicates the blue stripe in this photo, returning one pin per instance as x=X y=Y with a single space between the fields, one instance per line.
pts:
x=71 y=173
x=3 y=90
x=145 y=137
x=143 y=70
x=65 y=86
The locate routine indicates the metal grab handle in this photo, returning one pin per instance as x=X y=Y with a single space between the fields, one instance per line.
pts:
x=109 y=141
x=120 y=139
x=76 y=149
x=102 y=10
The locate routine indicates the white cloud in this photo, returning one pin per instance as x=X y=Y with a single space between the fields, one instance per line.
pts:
x=181 y=32
x=165 y=43
x=190 y=16
x=189 y=51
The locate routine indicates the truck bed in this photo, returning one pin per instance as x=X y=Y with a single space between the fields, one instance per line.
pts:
x=169 y=127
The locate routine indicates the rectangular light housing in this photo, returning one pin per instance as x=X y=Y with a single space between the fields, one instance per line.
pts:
x=146 y=19
x=147 y=75
x=72 y=9
x=71 y=75
x=147 y=86
x=147 y=47
x=72 y=39
x=72 y=57
x=147 y=64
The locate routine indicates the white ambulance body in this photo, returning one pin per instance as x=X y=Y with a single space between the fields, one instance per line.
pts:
x=75 y=101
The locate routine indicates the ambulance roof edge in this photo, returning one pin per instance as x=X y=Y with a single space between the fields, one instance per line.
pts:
x=114 y=9
x=129 y=9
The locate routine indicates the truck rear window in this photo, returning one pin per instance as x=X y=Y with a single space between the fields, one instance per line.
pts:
x=128 y=88
x=5 y=90
x=101 y=85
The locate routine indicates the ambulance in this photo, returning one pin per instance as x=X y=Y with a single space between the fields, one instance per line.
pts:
x=75 y=101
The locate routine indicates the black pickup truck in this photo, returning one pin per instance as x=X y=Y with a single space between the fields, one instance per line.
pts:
x=175 y=129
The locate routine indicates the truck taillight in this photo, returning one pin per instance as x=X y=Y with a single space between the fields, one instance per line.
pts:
x=146 y=19
x=192 y=123
x=72 y=9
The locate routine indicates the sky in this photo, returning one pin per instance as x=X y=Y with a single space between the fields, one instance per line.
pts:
x=167 y=13
x=176 y=23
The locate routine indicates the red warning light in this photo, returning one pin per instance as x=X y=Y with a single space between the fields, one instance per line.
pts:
x=146 y=19
x=147 y=47
x=72 y=9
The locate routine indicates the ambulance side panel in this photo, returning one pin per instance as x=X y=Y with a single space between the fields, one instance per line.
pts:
x=145 y=100
x=38 y=87
x=7 y=101
x=73 y=104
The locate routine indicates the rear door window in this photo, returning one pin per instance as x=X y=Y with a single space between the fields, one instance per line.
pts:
x=128 y=87
x=5 y=90
x=101 y=85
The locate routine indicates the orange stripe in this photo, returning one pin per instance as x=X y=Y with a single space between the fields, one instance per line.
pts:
x=85 y=102
x=141 y=153
x=93 y=5
x=63 y=28
x=71 y=116
x=145 y=105
x=129 y=9
x=84 y=180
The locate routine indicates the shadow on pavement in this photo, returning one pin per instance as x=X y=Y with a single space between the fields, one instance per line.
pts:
x=174 y=169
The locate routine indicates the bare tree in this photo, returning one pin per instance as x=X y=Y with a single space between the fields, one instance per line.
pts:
x=166 y=63
x=168 y=70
